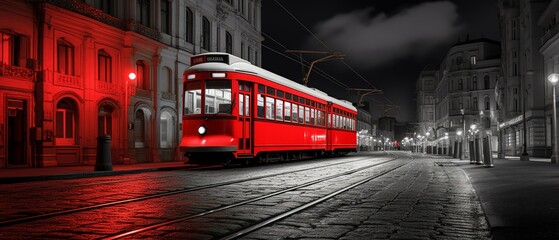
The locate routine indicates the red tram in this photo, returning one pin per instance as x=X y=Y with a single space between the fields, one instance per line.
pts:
x=235 y=111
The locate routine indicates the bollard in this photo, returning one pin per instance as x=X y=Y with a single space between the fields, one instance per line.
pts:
x=103 y=160
x=472 y=152
x=455 y=153
x=460 y=151
x=488 y=156
x=479 y=151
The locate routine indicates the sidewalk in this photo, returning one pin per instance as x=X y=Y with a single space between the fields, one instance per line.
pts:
x=16 y=175
x=520 y=198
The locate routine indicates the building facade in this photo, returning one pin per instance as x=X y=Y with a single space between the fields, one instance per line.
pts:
x=364 y=130
x=425 y=99
x=464 y=93
x=521 y=88
x=65 y=74
x=548 y=22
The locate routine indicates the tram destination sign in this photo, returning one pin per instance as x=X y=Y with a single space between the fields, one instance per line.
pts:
x=209 y=58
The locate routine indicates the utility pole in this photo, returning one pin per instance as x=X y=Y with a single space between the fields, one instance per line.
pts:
x=329 y=56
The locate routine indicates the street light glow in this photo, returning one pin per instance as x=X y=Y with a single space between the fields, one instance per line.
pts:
x=553 y=78
x=459 y=133
x=132 y=76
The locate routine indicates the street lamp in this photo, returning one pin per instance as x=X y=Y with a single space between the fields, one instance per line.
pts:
x=462 y=156
x=131 y=77
x=553 y=78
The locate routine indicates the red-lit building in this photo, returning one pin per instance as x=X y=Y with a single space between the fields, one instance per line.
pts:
x=65 y=65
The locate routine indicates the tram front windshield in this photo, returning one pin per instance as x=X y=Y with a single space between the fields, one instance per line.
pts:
x=216 y=96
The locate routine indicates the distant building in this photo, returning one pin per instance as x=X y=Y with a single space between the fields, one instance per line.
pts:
x=425 y=99
x=385 y=131
x=464 y=92
x=364 y=130
x=64 y=74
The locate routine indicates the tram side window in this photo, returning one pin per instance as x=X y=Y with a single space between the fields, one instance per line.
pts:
x=279 y=110
x=241 y=104
x=319 y=118
x=193 y=98
x=301 y=114
x=218 y=97
x=294 y=111
x=287 y=116
x=269 y=108
x=307 y=115
x=329 y=120
x=313 y=122
x=260 y=105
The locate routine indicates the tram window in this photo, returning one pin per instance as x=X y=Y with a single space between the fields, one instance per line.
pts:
x=247 y=105
x=287 y=116
x=247 y=87
x=193 y=98
x=301 y=114
x=261 y=88
x=329 y=120
x=271 y=91
x=295 y=98
x=218 y=97
x=260 y=106
x=302 y=100
x=294 y=111
x=313 y=122
x=279 y=110
x=279 y=94
x=308 y=102
x=241 y=104
x=288 y=96
x=307 y=115
x=270 y=108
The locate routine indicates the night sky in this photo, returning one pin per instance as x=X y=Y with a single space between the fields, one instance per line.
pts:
x=386 y=42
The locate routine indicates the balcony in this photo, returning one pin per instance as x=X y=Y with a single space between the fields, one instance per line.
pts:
x=16 y=72
x=106 y=87
x=67 y=80
x=143 y=93
x=168 y=96
x=87 y=10
x=460 y=67
x=549 y=33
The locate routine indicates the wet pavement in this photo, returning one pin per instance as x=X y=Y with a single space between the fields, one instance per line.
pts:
x=433 y=197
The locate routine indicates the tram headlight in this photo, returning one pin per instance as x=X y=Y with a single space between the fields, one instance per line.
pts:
x=202 y=130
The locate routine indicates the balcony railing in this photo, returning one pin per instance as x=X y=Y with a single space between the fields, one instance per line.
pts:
x=85 y=9
x=168 y=96
x=107 y=87
x=16 y=72
x=67 y=80
x=549 y=33
x=143 y=93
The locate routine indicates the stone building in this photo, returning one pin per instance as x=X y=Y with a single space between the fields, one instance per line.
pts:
x=65 y=66
x=521 y=87
x=464 y=92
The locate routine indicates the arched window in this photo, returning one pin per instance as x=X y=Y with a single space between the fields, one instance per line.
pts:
x=65 y=57
x=486 y=82
x=228 y=43
x=206 y=34
x=143 y=11
x=166 y=130
x=487 y=122
x=66 y=122
x=474 y=83
x=189 y=25
x=487 y=103
x=475 y=104
x=105 y=120
x=140 y=129
x=104 y=67
x=142 y=75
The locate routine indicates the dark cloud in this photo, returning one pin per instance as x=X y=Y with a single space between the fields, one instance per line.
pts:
x=371 y=39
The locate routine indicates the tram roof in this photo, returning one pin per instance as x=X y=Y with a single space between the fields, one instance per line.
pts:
x=237 y=64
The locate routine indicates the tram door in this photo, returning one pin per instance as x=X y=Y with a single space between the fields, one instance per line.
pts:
x=245 y=111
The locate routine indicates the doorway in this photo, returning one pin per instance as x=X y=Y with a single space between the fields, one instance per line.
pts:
x=17 y=134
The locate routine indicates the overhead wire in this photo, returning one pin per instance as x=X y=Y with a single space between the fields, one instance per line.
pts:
x=326 y=46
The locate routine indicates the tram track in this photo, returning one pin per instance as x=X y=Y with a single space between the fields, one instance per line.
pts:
x=21 y=220
x=254 y=227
